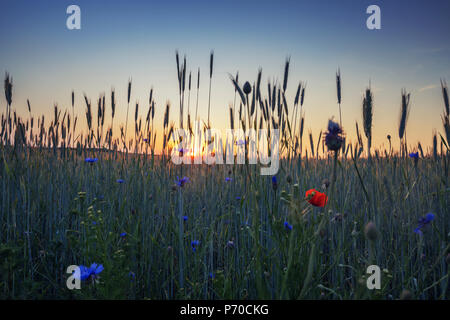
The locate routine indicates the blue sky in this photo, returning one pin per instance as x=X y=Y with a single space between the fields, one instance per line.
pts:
x=138 y=39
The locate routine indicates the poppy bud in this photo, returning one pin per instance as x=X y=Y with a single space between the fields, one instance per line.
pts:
x=371 y=231
x=325 y=183
x=337 y=217
x=405 y=295
x=247 y=88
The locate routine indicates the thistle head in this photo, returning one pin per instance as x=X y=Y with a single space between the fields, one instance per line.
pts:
x=334 y=137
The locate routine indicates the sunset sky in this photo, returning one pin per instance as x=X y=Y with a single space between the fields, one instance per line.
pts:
x=119 y=40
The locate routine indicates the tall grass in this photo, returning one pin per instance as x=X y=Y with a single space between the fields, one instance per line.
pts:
x=213 y=237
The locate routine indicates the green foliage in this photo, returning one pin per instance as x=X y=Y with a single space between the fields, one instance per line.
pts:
x=60 y=211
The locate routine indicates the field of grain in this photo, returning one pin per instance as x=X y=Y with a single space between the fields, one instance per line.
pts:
x=157 y=230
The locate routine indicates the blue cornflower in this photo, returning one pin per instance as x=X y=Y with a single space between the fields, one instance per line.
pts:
x=91 y=272
x=185 y=218
x=120 y=181
x=194 y=245
x=274 y=183
x=230 y=244
x=228 y=179
x=240 y=142
x=238 y=198
x=211 y=275
x=123 y=234
x=132 y=275
x=182 y=150
x=145 y=140
x=334 y=136
x=181 y=182
x=414 y=155
x=423 y=222
x=91 y=160
x=287 y=226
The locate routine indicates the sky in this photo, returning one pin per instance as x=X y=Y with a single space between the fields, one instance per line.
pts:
x=119 y=40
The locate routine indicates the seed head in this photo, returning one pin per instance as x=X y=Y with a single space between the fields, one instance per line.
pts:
x=289 y=179
x=8 y=89
x=371 y=231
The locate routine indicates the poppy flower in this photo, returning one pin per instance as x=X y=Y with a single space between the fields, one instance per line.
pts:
x=316 y=198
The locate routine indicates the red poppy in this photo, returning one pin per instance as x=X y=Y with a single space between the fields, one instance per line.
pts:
x=316 y=198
